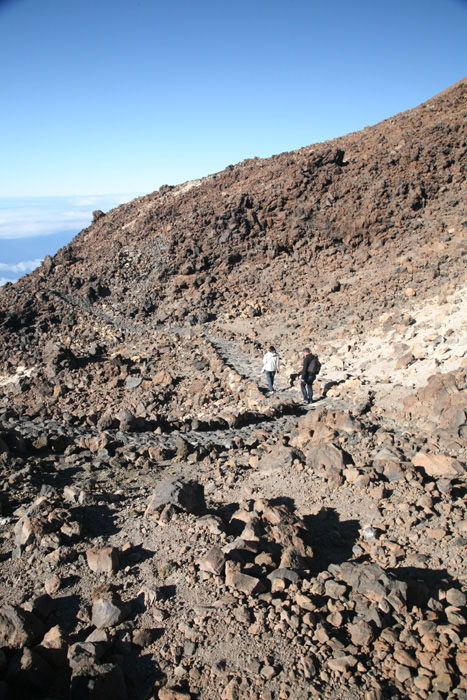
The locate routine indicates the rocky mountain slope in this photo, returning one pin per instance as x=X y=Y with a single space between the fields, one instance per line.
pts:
x=170 y=531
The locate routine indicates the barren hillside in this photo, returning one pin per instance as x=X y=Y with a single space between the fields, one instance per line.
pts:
x=171 y=531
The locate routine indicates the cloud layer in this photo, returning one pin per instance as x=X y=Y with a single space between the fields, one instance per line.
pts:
x=22 y=267
x=42 y=216
x=17 y=270
x=37 y=227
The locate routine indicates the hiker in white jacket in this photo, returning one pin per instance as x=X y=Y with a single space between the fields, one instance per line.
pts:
x=271 y=366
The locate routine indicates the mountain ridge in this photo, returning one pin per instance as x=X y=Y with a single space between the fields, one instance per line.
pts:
x=241 y=222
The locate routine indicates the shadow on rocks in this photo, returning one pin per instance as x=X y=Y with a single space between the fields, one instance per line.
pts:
x=423 y=585
x=57 y=479
x=137 y=555
x=141 y=673
x=330 y=385
x=97 y=520
x=65 y=611
x=286 y=501
x=332 y=539
x=225 y=511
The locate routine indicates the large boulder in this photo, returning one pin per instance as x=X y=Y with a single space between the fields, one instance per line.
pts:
x=326 y=459
x=19 y=628
x=440 y=406
x=438 y=465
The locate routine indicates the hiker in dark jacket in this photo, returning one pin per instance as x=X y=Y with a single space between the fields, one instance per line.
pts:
x=308 y=375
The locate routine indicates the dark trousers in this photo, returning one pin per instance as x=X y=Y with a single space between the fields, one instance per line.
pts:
x=270 y=379
x=306 y=385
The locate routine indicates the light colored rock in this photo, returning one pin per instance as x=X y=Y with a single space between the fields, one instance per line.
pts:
x=106 y=613
x=304 y=602
x=326 y=458
x=342 y=663
x=213 y=562
x=52 y=584
x=403 y=657
x=456 y=597
x=104 y=560
x=167 y=693
x=438 y=465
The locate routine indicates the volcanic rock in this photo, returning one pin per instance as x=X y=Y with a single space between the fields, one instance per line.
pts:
x=188 y=495
x=19 y=627
x=103 y=561
x=438 y=466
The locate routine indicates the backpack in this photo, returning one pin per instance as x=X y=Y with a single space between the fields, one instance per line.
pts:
x=314 y=367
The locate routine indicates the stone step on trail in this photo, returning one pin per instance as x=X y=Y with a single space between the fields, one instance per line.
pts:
x=248 y=367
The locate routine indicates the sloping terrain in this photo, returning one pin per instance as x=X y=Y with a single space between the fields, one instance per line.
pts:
x=168 y=529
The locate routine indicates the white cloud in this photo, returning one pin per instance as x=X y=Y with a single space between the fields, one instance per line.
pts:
x=42 y=216
x=22 y=222
x=17 y=270
x=91 y=201
x=21 y=268
x=36 y=218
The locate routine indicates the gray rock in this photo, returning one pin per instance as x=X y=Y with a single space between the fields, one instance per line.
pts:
x=334 y=590
x=126 y=419
x=279 y=458
x=371 y=581
x=133 y=381
x=361 y=633
x=286 y=574
x=183 y=447
x=187 y=495
x=142 y=637
x=213 y=562
x=107 y=612
x=104 y=560
x=393 y=471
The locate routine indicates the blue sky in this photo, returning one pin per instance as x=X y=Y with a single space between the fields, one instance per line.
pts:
x=108 y=99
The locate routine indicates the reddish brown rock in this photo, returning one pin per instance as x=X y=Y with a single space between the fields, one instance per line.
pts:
x=105 y=560
x=250 y=585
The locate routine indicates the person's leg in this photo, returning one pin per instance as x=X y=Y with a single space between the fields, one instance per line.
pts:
x=309 y=386
x=270 y=380
x=303 y=388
